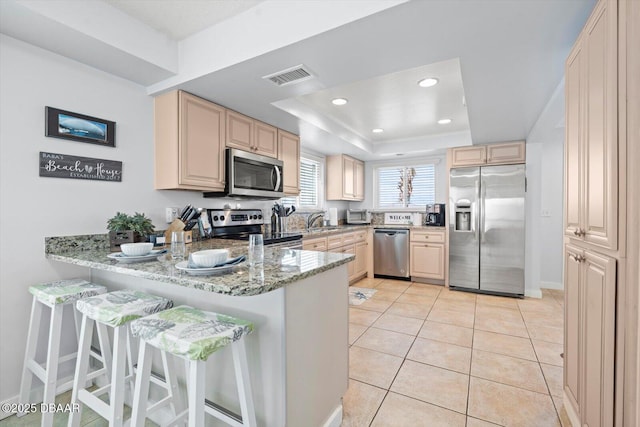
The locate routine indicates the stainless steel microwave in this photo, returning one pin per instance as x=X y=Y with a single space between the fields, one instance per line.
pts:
x=251 y=176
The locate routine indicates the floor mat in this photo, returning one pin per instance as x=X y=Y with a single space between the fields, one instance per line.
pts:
x=359 y=295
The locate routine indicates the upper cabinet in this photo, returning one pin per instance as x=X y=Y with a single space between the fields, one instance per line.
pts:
x=509 y=153
x=591 y=148
x=192 y=133
x=345 y=178
x=468 y=156
x=189 y=143
x=493 y=154
x=289 y=153
x=251 y=135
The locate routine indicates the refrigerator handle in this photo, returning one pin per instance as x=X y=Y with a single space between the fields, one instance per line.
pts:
x=474 y=212
x=482 y=216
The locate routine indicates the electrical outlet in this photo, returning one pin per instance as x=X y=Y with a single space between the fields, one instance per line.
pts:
x=170 y=214
x=545 y=213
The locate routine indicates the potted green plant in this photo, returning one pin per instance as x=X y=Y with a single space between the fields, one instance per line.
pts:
x=124 y=228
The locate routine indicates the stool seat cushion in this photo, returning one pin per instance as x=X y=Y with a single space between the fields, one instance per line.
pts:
x=189 y=332
x=119 y=307
x=65 y=291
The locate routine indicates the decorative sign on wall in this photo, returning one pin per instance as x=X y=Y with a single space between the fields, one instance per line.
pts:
x=78 y=127
x=403 y=218
x=64 y=166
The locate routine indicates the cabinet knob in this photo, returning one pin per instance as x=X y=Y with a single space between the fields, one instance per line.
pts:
x=577 y=258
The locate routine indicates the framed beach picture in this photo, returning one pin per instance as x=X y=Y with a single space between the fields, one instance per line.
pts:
x=79 y=127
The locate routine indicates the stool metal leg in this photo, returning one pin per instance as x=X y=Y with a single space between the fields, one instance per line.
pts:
x=30 y=353
x=197 y=372
x=52 y=362
x=82 y=366
x=244 y=383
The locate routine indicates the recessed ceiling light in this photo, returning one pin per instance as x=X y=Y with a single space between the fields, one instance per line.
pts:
x=377 y=130
x=428 y=82
x=339 y=101
x=444 y=121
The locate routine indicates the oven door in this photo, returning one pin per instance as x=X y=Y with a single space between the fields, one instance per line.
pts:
x=253 y=175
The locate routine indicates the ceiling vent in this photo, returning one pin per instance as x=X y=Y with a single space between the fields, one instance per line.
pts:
x=296 y=74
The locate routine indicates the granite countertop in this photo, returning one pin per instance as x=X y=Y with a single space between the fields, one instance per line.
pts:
x=281 y=266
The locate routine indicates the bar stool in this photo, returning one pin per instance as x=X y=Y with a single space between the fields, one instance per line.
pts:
x=55 y=295
x=116 y=310
x=193 y=335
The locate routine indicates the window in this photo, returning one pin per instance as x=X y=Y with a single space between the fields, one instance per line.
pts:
x=401 y=187
x=310 y=185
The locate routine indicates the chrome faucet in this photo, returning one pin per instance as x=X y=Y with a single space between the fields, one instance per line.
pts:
x=312 y=218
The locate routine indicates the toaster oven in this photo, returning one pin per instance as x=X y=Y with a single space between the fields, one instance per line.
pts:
x=358 y=216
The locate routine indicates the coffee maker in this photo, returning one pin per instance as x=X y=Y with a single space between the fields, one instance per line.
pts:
x=435 y=215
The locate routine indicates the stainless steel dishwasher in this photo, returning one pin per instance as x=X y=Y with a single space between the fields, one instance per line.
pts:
x=391 y=252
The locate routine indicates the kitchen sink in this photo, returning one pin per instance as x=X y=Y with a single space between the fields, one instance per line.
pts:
x=326 y=228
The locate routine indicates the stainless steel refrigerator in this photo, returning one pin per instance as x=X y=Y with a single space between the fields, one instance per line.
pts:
x=486 y=229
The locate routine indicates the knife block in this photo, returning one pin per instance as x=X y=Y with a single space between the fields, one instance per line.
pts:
x=177 y=225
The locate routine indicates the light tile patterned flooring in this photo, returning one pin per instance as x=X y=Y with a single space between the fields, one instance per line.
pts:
x=422 y=355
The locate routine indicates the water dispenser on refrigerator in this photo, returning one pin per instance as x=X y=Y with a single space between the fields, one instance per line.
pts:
x=463 y=215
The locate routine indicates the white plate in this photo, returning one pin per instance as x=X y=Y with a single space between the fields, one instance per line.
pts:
x=126 y=259
x=204 y=271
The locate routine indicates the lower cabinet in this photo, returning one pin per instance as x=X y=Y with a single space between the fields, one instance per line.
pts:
x=427 y=261
x=353 y=242
x=361 y=258
x=589 y=348
x=318 y=244
x=427 y=254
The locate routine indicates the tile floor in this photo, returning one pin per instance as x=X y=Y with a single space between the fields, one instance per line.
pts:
x=421 y=355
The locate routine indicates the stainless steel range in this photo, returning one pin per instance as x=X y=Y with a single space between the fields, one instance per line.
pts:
x=238 y=224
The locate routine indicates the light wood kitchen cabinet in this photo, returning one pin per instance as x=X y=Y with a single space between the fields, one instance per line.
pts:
x=468 y=156
x=509 y=153
x=358 y=176
x=351 y=242
x=492 y=154
x=591 y=148
x=189 y=137
x=590 y=292
x=345 y=178
x=592 y=205
x=252 y=135
x=427 y=254
x=361 y=264
x=316 y=244
x=289 y=153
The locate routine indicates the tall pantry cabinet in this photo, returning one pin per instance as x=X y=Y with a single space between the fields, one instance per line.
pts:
x=595 y=219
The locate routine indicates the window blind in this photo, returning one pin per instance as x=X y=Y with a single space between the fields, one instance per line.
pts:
x=309 y=182
x=406 y=186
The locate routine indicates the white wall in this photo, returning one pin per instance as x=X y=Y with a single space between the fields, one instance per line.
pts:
x=551 y=259
x=544 y=215
x=32 y=207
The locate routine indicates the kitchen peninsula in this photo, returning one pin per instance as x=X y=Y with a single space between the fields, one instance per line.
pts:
x=298 y=354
